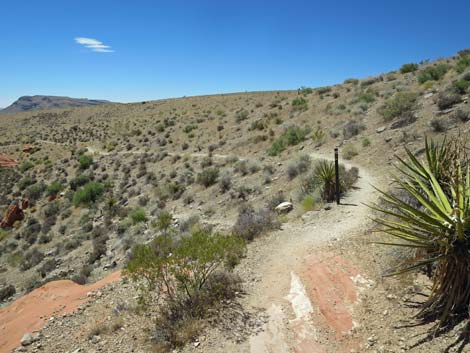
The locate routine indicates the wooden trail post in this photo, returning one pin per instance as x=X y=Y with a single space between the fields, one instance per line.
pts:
x=337 y=188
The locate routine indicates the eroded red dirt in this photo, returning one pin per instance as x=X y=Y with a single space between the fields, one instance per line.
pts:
x=32 y=311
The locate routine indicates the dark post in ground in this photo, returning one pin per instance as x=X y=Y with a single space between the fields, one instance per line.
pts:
x=337 y=189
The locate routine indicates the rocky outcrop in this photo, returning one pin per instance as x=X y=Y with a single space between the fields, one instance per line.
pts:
x=14 y=213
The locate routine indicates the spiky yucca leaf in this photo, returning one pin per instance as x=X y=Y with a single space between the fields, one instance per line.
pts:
x=440 y=225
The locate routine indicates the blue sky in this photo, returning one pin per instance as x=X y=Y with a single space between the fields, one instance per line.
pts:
x=156 y=49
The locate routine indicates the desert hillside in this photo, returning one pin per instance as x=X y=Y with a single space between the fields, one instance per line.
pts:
x=82 y=185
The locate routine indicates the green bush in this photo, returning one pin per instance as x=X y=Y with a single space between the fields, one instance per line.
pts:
x=26 y=165
x=402 y=103
x=292 y=136
x=138 y=216
x=411 y=67
x=366 y=96
x=34 y=192
x=88 y=194
x=299 y=104
x=54 y=188
x=463 y=62
x=191 y=272
x=85 y=161
x=433 y=73
x=80 y=180
x=308 y=203
x=208 y=177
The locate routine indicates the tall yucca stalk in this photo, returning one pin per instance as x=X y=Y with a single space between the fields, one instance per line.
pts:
x=439 y=226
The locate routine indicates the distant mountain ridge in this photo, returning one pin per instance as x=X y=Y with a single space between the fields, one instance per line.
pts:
x=27 y=103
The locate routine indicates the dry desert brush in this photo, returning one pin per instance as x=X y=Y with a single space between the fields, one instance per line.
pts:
x=438 y=225
x=186 y=276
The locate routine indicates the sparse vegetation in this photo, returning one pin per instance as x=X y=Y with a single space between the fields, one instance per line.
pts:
x=411 y=67
x=292 y=136
x=401 y=104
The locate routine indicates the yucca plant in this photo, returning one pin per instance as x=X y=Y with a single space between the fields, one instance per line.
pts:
x=324 y=174
x=439 y=226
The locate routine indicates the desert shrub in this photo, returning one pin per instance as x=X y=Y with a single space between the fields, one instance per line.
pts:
x=447 y=99
x=308 y=203
x=30 y=259
x=225 y=183
x=189 y=271
x=353 y=81
x=26 y=165
x=164 y=221
x=352 y=128
x=460 y=86
x=251 y=223
x=208 y=177
x=80 y=180
x=410 y=67
x=323 y=90
x=299 y=104
x=300 y=166
x=85 y=161
x=34 y=192
x=305 y=91
x=433 y=73
x=437 y=227
x=293 y=135
x=365 y=142
x=54 y=188
x=366 y=96
x=349 y=151
x=138 y=216
x=318 y=136
x=463 y=62
x=88 y=194
x=47 y=267
x=25 y=182
x=461 y=115
x=402 y=103
x=99 y=246
x=6 y=292
x=438 y=124
x=241 y=115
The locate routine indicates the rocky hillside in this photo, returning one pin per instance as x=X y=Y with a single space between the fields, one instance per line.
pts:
x=27 y=103
x=100 y=179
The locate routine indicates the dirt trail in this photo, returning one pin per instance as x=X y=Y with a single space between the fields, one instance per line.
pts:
x=32 y=311
x=309 y=294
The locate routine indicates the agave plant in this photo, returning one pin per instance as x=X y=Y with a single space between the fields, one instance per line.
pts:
x=439 y=227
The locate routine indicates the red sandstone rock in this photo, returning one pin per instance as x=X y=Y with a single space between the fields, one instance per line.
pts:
x=7 y=162
x=14 y=213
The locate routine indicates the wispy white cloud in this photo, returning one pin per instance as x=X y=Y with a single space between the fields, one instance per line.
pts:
x=94 y=44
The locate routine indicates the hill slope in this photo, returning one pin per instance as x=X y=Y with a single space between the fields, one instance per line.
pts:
x=27 y=103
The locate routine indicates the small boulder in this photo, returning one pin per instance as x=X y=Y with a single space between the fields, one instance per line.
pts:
x=284 y=207
x=27 y=339
x=381 y=129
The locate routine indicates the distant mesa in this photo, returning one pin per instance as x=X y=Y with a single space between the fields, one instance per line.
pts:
x=27 y=103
